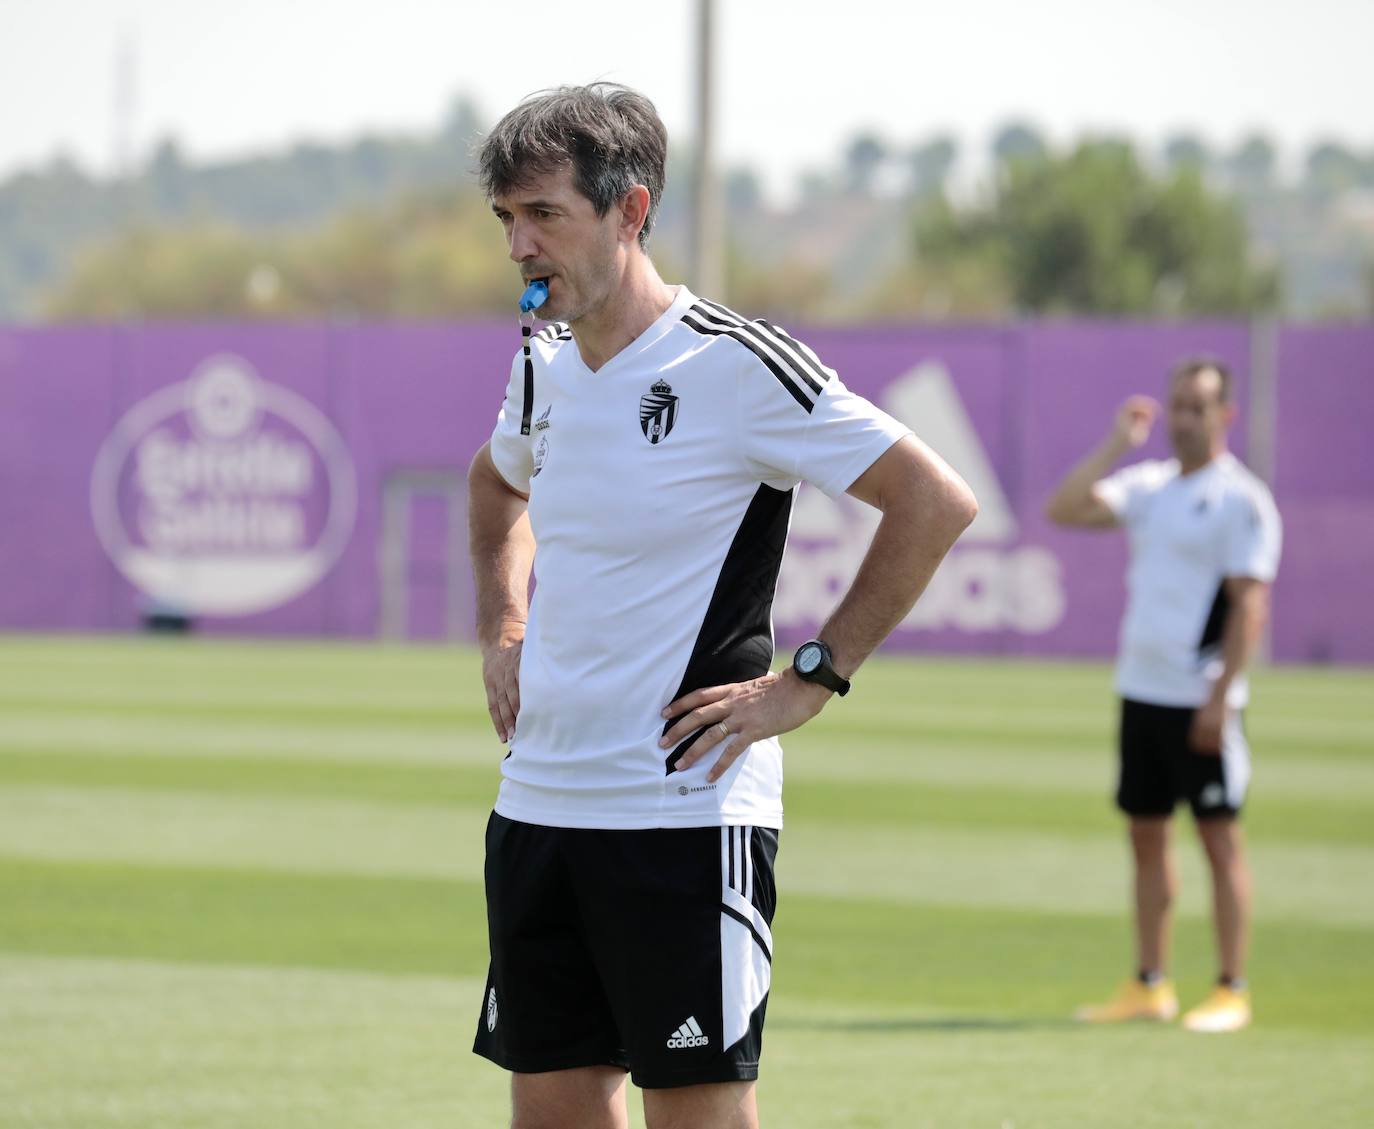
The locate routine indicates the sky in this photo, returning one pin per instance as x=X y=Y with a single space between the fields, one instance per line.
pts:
x=794 y=81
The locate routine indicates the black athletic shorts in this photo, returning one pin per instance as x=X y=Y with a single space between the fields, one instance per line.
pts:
x=1159 y=767
x=648 y=950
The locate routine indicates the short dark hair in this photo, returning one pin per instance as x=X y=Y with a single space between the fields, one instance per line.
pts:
x=611 y=135
x=1194 y=366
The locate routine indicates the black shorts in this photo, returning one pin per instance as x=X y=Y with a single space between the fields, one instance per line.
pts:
x=648 y=950
x=1159 y=767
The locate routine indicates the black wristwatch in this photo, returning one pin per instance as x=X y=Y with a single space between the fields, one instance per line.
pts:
x=813 y=663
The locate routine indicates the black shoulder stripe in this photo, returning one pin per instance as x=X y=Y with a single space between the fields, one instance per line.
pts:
x=783 y=350
x=802 y=349
x=799 y=356
x=784 y=347
x=782 y=365
x=726 y=331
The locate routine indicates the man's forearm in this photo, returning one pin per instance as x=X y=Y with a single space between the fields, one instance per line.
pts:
x=1241 y=634
x=1075 y=488
x=502 y=548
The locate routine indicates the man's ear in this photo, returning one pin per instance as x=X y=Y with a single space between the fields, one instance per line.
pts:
x=634 y=213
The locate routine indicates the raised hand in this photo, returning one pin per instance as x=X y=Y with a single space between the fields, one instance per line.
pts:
x=1134 y=419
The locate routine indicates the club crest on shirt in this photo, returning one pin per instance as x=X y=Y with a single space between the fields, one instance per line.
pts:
x=540 y=454
x=657 y=412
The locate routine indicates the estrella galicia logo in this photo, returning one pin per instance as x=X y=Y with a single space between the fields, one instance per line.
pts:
x=224 y=494
x=657 y=412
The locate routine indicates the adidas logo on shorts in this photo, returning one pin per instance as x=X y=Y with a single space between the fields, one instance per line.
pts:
x=688 y=1035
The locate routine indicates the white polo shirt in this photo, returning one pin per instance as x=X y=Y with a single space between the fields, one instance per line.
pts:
x=1187 y=533
x=660 y=492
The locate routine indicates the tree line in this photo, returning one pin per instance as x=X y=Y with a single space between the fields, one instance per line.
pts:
x=394 y=227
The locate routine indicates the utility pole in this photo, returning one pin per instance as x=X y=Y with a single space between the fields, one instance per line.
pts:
x=708 y=241
x=124 y=105
x=123 y=112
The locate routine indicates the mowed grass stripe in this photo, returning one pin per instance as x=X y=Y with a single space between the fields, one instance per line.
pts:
x=848 y=732
x=294 y=1049
x=244 y=734
x=419 y=673
x=911 y=863
x=885 y=956
x=275 y=833
x=1282 y=772
x=136 y=1045
x=334 y=710
x=201 y=914
x=1344 y=818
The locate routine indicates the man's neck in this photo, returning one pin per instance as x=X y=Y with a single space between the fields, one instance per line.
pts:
x=637 y=303
x=1187 y=467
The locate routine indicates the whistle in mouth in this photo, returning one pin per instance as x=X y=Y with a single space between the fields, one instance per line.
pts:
x=535 y=295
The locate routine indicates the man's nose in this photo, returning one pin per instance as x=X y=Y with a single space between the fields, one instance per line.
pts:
x=521 y=242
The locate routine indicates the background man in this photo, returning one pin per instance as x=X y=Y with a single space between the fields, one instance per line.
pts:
x=1204 y=538
x=645 y=459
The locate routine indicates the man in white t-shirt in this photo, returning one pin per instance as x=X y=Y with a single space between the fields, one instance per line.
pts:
x=1205 y=540
x=643 y=464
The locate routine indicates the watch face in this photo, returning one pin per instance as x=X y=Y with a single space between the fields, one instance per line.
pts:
x=808 y=658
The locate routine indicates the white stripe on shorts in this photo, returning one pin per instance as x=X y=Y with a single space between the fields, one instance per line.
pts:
x=746 y=942
x=1235 y=759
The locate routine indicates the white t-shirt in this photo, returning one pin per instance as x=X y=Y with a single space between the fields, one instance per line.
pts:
x=660 y=493
x=1187 y=533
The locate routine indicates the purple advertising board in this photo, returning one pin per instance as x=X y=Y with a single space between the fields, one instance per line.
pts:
x=308 y=480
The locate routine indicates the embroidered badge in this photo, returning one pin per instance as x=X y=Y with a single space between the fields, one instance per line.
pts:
x=657 y=412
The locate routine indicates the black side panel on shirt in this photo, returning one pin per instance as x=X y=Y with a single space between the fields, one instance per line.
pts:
x=1216 y=621
x=735 y=642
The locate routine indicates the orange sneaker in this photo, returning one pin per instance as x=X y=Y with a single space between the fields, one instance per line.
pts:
x=1134 y=1000
x=1226 y=1009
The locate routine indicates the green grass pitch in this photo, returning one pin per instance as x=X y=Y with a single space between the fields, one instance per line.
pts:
x=240 y=887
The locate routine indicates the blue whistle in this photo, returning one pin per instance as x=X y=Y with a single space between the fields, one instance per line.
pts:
x=535 y=295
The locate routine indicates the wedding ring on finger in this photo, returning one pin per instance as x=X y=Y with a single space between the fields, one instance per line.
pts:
x=724 y=729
